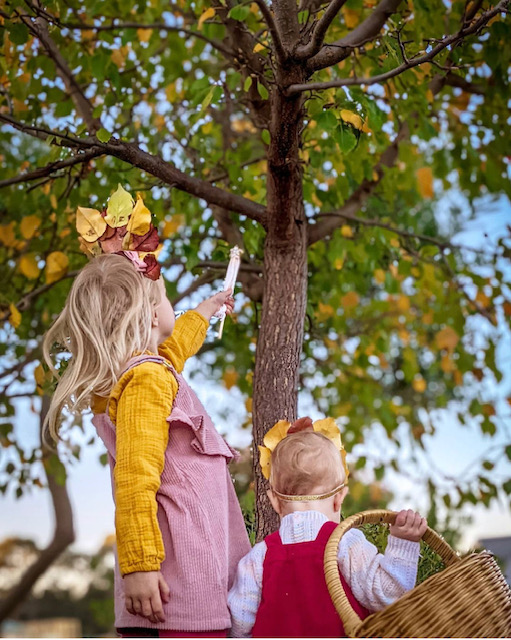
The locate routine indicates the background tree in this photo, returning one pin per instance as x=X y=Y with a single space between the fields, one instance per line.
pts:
x=318 y=136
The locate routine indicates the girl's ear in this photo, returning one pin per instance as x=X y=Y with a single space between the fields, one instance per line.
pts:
x=275 y=502
x=339 y=499
x=154 y=319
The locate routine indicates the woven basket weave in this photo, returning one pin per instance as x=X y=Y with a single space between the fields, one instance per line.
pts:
x=470 y=598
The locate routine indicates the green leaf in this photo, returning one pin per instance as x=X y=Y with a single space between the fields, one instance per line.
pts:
x=103 y=459
x=240 y=12
x=18 y=33
x=265 y=135
x=263 y=91
x=103 y=135
x=508 y=451
x=345 y=138
x=247 y=84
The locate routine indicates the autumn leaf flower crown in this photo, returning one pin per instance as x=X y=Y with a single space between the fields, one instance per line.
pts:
x=124 y=228
x=280 y=430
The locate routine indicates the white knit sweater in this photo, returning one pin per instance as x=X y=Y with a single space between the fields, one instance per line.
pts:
x=376 y=580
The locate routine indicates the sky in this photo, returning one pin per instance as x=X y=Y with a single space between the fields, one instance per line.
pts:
x=452 y=449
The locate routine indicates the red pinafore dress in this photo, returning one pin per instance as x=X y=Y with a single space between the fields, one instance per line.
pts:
x=295 y=602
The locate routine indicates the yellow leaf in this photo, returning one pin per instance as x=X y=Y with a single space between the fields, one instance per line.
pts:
x=139 y=221
x=447 y=339
x=39 y=375
x=119 y=208
x=248 y=405
x=324 y=311
x=15 y=316
x=419 y=384
x=425 y=181
x=57 y=264
x=352 y=118
x=118 y=57
x=89 y=248
x=53 y=201
x=90 y=224
x=28 y=266
x=265 y=461
x=171 y=226
x=144 y=35
x=447 y=365
x=346 y=231
x=7 y=236
x=351 y=17
x=350 y=300
x=209 y=13
x=208 y=127
x=171 y=92
x=29 y=225
x=276 y=434
x=394 y=242
x=403 y=304
x=338 y=263
x=328 y=427
x=230 y=377
x=259 y=47
x=379 y=276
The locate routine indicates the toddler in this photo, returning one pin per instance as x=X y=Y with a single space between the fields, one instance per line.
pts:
x=280 y=588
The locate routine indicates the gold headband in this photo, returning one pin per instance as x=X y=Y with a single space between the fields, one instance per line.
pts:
x=321 y=496
x=328 y=427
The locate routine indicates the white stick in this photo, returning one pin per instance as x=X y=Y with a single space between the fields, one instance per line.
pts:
x=230 y=279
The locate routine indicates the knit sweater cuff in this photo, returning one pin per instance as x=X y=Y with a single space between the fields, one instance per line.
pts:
x=405 y=550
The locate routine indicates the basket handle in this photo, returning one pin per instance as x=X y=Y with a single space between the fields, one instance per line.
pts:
x=350 y=619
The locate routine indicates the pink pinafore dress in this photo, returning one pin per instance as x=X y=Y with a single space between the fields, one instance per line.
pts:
x=198 y=514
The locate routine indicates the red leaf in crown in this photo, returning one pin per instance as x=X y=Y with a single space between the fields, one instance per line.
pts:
x=153 y=268
x=302 y=424
x=111 y=240
x=147 y=242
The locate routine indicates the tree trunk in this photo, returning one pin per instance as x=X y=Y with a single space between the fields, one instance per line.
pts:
x=62 y=538
x=280 y=338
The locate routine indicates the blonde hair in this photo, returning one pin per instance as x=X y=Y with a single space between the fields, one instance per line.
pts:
x=107 y=317
x=304 y=463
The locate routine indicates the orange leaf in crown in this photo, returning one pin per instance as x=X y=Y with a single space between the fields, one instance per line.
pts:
x=111 y=240
x=147 y=242
x=302 y=424
x=153 y=268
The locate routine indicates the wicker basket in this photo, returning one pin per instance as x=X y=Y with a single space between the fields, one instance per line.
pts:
x=470 y=598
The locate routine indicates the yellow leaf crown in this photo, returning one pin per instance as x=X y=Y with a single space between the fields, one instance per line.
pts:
x=124 y=228
x=328 y=427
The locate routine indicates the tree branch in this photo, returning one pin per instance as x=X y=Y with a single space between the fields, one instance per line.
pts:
x=51 y=168
x=309 y=50
x=337 y=51
x=272 y=27
x=414 y=62
x=159 y=26
x=286 y=17
x=39 y=27
x=155 y=166
x=63 y=535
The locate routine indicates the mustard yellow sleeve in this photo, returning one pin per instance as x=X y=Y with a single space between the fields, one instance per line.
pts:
x=139 y=406
x=186 y=339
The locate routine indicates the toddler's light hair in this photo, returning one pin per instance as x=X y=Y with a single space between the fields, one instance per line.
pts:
x=304 y=463
x=107 y=317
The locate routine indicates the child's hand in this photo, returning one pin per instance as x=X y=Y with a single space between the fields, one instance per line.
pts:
x=210 y=306
x=144 y=592
x=409 y=525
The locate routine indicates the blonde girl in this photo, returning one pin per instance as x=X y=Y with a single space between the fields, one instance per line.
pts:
x=180 y=532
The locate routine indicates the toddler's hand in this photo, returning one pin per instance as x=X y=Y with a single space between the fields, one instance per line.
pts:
x=144 y=592
x=409 y=525
x=210 y=306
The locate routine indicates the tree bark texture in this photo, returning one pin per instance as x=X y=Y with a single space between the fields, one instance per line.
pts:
x=285 y=291
x=62 y=538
